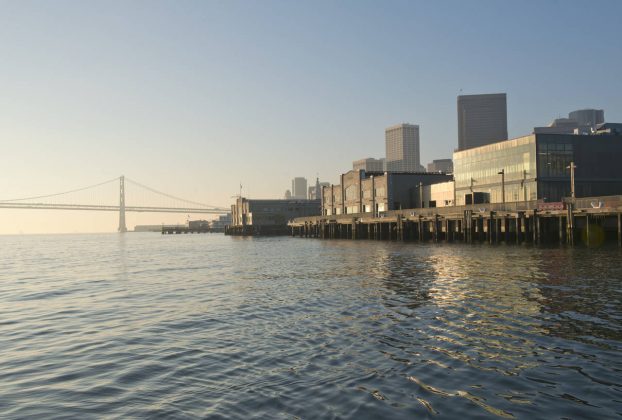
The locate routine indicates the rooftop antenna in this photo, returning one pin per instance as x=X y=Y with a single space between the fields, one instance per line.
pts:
x=240 y=194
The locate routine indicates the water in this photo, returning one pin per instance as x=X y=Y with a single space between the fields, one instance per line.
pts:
x=207 y=326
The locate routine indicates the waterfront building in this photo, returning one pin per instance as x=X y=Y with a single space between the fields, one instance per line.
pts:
x=218 y=225
x=148 y=228
x=268 y=217
x=536 y=167
x=441 y=165
x=299 y=188
x=402 y=148
x=375 y=192
x=198 y=225
x=482 y=119
x=287 y=195
x=369 y=165
x=441 y=194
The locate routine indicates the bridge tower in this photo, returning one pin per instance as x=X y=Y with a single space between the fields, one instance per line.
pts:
x=122 y=227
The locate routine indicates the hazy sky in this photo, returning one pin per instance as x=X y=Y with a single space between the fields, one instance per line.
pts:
x=194 y=97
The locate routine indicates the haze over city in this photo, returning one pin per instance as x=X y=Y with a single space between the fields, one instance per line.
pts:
x=194 y=98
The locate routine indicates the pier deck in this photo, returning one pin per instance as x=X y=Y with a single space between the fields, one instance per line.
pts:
x=590 y=220
x=175 y=229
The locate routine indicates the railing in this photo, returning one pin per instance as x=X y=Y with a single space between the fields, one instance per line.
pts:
x=610 y=201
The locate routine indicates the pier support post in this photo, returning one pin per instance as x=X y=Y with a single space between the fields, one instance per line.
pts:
x=619 y=229
x=570 y=226
x=587 y=229
x=435 y=228
x=533 y=227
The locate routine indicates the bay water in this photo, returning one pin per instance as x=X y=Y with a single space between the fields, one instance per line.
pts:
x=143 y=325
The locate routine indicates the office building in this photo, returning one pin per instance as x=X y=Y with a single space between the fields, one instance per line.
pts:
x=299 y=188
x=402 y=148
x=535 y=167
x=482 y=119
x=441 y=165
x=369 y=165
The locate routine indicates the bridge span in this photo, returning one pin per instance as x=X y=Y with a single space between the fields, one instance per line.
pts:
x=174 y=205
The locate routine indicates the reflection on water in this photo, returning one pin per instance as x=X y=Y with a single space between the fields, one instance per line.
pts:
x=212 y=326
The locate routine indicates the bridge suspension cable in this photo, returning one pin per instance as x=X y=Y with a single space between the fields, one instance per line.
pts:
x=142 y=198
x=61 y=193
x=183 y=200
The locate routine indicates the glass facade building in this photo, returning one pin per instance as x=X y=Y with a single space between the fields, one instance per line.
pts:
x=536 y=167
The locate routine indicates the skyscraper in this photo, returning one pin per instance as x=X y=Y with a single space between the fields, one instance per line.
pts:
x=299 y=188
x=482 y=119
x=402 y=145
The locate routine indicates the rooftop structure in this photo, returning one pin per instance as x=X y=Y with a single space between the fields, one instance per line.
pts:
x=583 y=121
x=370 y=165
x=441 y=165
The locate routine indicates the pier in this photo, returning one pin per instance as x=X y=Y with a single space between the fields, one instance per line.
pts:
x=179 y=229
x=591 y=221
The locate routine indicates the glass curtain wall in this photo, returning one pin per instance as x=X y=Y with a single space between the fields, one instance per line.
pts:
x=477 y=171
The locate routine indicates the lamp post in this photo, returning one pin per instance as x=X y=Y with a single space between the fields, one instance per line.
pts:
x=572 y=167
x=502 y=173
x=523 y=186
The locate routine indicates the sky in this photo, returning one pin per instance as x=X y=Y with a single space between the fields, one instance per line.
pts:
x=194 y=98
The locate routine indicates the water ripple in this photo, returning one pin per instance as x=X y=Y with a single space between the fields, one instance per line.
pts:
x=206 y=326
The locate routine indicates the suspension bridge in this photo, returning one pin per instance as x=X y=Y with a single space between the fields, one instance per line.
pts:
x=131 y=195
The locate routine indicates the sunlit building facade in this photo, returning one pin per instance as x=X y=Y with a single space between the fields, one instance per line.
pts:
x=376 y=192
x=536 y=167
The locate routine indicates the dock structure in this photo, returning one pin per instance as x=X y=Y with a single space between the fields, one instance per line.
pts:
x=179 y=229
x=591 y=221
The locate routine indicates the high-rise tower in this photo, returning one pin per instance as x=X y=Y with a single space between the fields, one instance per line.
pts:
x=482 y=119
x=299 y=188
x=402 y=148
